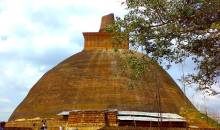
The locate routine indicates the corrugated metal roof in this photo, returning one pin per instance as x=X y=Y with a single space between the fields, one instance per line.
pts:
x=134 y=118
x=98 y=110
x=141 y=116
x=149 y=114
x=63 y=113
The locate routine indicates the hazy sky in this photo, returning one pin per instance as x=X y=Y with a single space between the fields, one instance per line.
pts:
x=35 y=35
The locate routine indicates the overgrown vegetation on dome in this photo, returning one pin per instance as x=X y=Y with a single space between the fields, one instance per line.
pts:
x=133 y=65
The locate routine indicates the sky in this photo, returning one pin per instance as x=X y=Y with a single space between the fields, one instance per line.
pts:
x=35 y=35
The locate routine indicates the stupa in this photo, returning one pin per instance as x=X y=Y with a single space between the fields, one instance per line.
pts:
x=92 y=80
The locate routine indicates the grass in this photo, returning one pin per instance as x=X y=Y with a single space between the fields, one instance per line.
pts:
x=199 y=119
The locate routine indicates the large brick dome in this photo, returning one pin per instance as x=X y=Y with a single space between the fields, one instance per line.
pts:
x=92 y=80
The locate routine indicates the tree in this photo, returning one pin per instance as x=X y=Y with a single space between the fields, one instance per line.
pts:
x=172 y=30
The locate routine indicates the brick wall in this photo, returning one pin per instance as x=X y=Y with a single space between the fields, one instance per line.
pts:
x=102 y=40
x=111 y=118
x=51 y=124
x=92 y=118
x=17 y=128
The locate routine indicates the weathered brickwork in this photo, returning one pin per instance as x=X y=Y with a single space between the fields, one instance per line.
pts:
x=111 y=118
x=92 y=118
x=35 y=124
x=102 y=41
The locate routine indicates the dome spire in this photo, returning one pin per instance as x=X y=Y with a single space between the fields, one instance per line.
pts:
x=106 y=21
x=103 y=40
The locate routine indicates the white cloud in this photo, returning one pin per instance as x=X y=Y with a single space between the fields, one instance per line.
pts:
x=6 y=110
x=4 y=100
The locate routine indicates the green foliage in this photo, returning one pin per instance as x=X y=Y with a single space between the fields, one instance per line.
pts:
x=134 y=66
x=209 y=120
x=193 y=115
x=174 y=30
x=137 y=65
